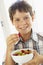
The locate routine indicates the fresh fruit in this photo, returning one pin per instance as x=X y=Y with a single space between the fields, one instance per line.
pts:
x=26 y=52
x=15 y=54
x=21 y=53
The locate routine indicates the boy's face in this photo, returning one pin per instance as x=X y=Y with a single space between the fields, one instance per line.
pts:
x=22 y=21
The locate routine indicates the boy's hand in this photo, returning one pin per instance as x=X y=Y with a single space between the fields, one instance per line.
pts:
x=11 y=40
x=35 y=60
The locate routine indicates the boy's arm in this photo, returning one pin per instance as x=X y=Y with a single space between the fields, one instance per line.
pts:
x=41 y=59
x=9 y=60
x=11 y=40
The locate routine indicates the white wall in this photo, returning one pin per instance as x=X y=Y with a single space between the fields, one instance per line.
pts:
x=2 y=45
x=4 y=17
x=4 y=31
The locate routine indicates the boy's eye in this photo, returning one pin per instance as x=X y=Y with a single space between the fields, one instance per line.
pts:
x=17 y=20
x=25 y=18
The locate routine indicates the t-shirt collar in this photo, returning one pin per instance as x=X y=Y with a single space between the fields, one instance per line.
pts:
x=33 y=36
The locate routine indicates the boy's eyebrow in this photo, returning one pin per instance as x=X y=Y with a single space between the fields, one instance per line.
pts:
x=16 y=17
x=23 y=17
x=27 y=15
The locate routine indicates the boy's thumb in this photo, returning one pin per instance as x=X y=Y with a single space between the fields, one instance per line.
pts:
x=35 y=53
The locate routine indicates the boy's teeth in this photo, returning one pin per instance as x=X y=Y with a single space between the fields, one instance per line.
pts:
x=23 y=28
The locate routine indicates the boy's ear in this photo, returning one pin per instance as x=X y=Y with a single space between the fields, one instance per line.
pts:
x=33 y=16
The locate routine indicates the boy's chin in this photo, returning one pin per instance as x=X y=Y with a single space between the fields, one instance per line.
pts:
x=25 y=32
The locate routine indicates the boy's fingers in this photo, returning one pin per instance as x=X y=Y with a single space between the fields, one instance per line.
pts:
x=35 y=53
x=11 y=37
x=14 y=35
x=12 y=41
x=29 y=63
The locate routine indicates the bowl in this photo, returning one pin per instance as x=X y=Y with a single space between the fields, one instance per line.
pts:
x=22 y=58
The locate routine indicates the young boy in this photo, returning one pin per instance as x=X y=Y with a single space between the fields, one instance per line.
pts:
x=22 y=17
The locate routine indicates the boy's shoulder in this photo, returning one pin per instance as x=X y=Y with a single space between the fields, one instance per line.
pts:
x=40 y=37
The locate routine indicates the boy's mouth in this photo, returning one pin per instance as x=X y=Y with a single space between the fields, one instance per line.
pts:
x=24 y=28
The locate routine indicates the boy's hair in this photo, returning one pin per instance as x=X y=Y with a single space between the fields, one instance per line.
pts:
x=22 y=6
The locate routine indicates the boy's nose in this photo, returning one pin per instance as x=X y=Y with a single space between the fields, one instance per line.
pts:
x=23 y=22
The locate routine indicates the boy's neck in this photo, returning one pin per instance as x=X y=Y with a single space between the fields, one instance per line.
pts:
x=27 y=36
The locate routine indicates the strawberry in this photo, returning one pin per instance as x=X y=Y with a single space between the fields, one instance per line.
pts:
x=22 y=51
x=15 y=54
x=26 y=52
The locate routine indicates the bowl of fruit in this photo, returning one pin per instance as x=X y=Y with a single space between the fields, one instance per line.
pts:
x=22 y=56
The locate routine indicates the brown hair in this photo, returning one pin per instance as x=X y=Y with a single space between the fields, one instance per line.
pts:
x=22 y=6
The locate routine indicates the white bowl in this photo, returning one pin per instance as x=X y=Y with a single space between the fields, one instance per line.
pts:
x=22 y=59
